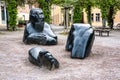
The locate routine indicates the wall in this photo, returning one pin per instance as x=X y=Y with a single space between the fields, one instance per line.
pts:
x=117 y=18
x=98 y=24
x=56 y=15
x=94 y=23
x=2 y=22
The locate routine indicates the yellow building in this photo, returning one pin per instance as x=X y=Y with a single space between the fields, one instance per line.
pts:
x=56 y=15
x=117 y=18
x=97 y=19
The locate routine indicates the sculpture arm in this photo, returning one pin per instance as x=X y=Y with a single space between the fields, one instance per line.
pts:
x=48 y=30
x=25 y=35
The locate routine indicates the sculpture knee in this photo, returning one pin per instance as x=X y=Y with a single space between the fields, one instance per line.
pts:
x=82 y=41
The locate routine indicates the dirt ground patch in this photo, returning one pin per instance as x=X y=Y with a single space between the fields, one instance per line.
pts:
x=102 y=64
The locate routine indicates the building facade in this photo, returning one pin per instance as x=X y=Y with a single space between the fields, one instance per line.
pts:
x=23 y=13
x=95 y=16
x=97 y=19
x=57 y=15
x=3 y=15
x=117 y=18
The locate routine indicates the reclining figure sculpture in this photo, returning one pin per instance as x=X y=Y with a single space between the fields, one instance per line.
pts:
x=37 y=31
x=80 y=40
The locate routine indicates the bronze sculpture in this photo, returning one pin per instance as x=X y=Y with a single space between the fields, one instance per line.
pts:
x=41 y=57
x=80 y=40
x=37 y=31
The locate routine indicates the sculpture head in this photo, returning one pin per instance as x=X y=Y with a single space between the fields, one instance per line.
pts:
x=37 y=18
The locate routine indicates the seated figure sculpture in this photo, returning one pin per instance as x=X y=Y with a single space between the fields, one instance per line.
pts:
x=80 y=40
x=37 y=31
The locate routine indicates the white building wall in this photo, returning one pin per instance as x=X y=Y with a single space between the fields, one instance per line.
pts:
x=23 y=12
x=0 y=16
x=2 y=22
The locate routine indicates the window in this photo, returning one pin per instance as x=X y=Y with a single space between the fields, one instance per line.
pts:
x=92 y=17
x=30 y=6
x=97 y=17
x=3 y=13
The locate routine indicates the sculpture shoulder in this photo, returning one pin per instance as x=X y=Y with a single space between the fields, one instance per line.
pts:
x=28 y=26
x=46 y=25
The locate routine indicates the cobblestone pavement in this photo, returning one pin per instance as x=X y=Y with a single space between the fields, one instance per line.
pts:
x=102 y=64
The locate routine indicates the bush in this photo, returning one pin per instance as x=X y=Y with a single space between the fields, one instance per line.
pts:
x=12 y=14
x=21 y=22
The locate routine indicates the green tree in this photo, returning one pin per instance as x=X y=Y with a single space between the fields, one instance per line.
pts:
x=11 y=6
x=45 y=6
x=114 y=6
x=21 y=2
x=108 y=10
x=63 y=2
x=78 y=11
x=79 y=6
x=103 y=5
x=66 y=6
x=88 y=4
x=12 y=14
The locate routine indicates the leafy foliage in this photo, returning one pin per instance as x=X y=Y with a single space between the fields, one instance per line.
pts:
x=18 y=2
x=83 y=4
x=12 y=14
x=88 y=4
x=63 y=2
x=77 y=18
x=45 y=6
x=109 y=9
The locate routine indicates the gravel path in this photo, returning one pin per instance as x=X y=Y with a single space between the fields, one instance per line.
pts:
x=102 y=64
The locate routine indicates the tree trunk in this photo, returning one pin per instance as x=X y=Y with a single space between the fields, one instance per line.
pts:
x=89 y=14
x=110 y=17
x=7 y=19
x=104 y=22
